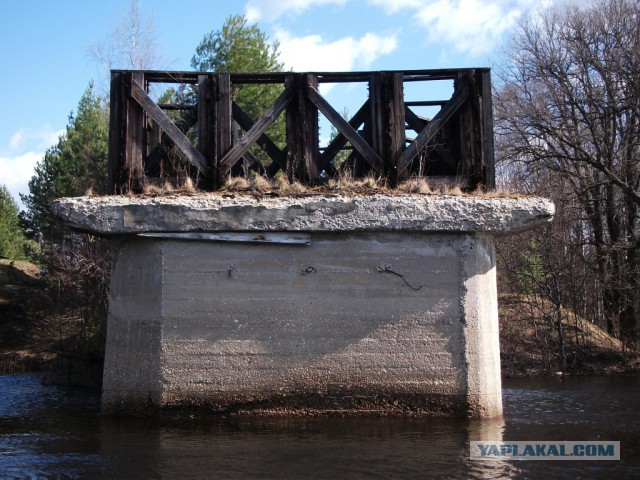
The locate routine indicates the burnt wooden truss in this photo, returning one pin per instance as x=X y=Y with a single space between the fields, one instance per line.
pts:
x=209 y=137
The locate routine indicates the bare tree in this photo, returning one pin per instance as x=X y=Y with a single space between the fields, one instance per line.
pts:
x=132 y=44
x=568 y=105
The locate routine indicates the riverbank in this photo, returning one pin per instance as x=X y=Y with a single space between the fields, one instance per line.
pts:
x=37 y=336
x=530 y=346
x=28 y=333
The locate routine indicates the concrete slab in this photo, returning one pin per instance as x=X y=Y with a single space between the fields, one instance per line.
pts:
x=332 y=213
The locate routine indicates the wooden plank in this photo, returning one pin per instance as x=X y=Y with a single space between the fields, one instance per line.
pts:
x=155 y=151
x=292 y=122
x=134 y=141
x=163 y=76
x=465 y=131
x=415 y=122
x=116 y=126
x=263 y=141
x=486 y=118
x=206 y=125
x=376 y=124
x=171 y=106
x=394 y=134
x=428 y=133
x=270 y=115
x=224 y=123
x=302 y=131
x=310 y=141
x=169 y=128
x=244 y=237
x=339 y=140
x=426 y=103
x=343 y=126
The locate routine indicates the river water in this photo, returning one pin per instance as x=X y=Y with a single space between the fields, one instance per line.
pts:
x=58 y=433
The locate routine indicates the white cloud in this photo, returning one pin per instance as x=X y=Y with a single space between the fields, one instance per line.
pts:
x=395 y=6
x=26 y=138
x=472 y=26
x=16 y=172
x=25 y=149
x=270 y=10
x=313 y=53
x=17 y=139
x=466 y=26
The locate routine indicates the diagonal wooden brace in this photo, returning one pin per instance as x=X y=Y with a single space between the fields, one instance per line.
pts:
x=169 y=128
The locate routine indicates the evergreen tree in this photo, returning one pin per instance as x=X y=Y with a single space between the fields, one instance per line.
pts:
x=237 y=47
x=240 y=47
x=76 y=165
x=12 y=238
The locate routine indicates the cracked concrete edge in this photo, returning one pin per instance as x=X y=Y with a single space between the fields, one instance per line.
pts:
x=115 y=215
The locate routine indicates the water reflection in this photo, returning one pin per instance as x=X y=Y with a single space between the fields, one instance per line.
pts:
x=489 y=430
x=295 y=448
x=51 y=432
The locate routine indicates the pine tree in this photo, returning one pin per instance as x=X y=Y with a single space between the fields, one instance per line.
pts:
x=239 y=47
x=12 y=238
x=76 y=165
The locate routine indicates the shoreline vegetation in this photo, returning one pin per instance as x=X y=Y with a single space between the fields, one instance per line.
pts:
x=38 y=335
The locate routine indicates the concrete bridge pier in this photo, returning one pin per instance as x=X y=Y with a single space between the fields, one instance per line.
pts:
x=378 y=304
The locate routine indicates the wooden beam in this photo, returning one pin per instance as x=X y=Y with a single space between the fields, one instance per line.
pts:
x=302 y=131
x=414 y=121
x=339 y=140
x=292 y=123
x=224 y=124
x=428 y=133
x=134 y=138
x=310 y=141
x=116 y=125
x=263 y=141
x=426 y=103
x=347 y=130
x=169 y=128
x=261 y=126
x=206 y=126
x=486 y=119
x=377 y=122
x=394 y=135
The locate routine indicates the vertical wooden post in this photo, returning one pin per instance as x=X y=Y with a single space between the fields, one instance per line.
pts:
x=387 y=120
x=302 y=131
x=375 y=124
x=206 y=126
x=293 y=121
x=468 y=157
x=134 y=142
x=377 y=120
x=223 y=124
x=311 y=142
x=486 y=119
x=116 y=125
x=394 y=134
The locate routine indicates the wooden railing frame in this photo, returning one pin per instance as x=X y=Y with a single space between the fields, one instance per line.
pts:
x=377 y=133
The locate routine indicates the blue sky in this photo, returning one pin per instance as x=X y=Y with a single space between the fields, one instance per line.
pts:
x=46 y=68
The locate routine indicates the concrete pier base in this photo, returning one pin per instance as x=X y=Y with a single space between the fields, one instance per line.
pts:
x=389 y=307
